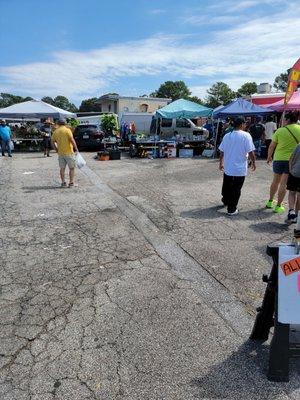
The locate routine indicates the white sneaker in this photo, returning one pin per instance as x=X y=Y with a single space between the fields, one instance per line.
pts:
x=233 y=213
x=291 y=217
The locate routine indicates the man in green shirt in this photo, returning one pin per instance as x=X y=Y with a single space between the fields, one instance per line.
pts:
x=284 y=141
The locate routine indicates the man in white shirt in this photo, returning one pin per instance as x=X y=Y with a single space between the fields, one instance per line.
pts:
x=235 y=147
x=270 y=128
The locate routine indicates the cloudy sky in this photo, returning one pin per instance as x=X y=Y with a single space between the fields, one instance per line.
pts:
x=83 y=49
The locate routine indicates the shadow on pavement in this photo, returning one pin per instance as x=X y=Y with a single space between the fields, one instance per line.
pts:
x=215 y=212
x=37 y=157
x=204 y=213
x=269 y=227
x=240 y=376
x=29 y=189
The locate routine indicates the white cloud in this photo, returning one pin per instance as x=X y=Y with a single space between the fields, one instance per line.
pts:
x=199 y=91
x=229 y=6
x=243 y=5
x=255 y=50
x=157 y=11
x=204 y=19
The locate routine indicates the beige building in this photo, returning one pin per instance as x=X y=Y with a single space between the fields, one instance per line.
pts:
x=122 y=104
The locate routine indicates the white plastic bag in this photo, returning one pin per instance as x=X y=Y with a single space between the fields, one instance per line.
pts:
x=80 y=161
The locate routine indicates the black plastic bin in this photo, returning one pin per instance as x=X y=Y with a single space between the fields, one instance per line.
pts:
x=114 y=154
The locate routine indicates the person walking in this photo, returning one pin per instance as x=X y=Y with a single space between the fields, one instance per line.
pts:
x=293 y=186
x=46 y=131
x=270 y=128
x=284 y=142
x=63 y=142
x=5 y=138
x=234 y=150
x=257 y=131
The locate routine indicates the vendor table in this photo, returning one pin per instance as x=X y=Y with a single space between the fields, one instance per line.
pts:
x=27 y=144
x=157 y=148
x=107 y=145
x=197 y=145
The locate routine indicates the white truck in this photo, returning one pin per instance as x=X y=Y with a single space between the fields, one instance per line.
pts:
x=93 y=120
x=142 y=121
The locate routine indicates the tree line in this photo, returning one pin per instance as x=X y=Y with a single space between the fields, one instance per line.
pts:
x=218 y=94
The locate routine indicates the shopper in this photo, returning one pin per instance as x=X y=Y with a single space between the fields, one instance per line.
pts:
x=235 y=147
x=270 y=128
x=228 y=126
x=5 y=138
x=257 y=132
x=64 y=143
x=46 y=131
x=293 y=186
x=284 y=141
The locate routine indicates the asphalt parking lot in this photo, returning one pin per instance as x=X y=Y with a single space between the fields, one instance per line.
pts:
x=135 y=284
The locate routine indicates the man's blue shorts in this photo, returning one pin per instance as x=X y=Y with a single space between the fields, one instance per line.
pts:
x=280 y=167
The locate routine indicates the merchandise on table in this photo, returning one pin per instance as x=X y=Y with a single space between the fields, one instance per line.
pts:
x=186 y=153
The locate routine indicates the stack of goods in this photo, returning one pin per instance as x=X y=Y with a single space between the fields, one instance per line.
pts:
x=171 y=150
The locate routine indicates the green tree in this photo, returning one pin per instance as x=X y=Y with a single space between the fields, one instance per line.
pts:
x=48 y=99
x=73 y=122
x=63 y=102
x=195 y=99
x=109 y=123
x=90 y=105
x=7 y=99
x=247 y=89
x=172 y=89
x=281 y=81
x=219 y=94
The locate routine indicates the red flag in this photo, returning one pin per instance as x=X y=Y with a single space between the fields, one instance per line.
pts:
x=293 y=82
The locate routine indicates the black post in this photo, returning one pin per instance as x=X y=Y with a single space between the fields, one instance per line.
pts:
x=279 y=353
x=265 y=316
x=280 y=344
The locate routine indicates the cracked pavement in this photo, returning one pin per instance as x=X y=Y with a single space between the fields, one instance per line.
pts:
x=91 y=308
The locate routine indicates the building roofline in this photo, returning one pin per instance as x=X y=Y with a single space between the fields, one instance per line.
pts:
x=273 y=94
x=117 y=97
x=145 y=98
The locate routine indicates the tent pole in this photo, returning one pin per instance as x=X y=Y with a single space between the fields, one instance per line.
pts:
x=216 y=138
x=282 y=118
x=213 y=127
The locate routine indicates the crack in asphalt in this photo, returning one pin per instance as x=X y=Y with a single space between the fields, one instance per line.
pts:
x=188 y=267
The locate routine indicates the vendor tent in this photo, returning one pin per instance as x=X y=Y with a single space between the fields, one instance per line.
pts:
x=216 y=110
x=34 y=109
x=293 y=104
x=183 y=109
x=240 y=107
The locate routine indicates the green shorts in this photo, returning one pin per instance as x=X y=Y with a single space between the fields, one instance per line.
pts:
x=69 y=161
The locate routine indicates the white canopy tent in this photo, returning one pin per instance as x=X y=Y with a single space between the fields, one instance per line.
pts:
x=34 y=109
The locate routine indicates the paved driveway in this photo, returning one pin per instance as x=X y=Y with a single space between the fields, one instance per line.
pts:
x=134 y=285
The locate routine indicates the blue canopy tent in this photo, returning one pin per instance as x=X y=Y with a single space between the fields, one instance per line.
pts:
x=240 y=107
x=183 y=109
x=215 y=112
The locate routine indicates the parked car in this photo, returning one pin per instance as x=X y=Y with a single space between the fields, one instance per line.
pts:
x=183 y=127
x=88 y=137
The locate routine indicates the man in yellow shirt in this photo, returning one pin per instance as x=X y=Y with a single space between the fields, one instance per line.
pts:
x=63 y=142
